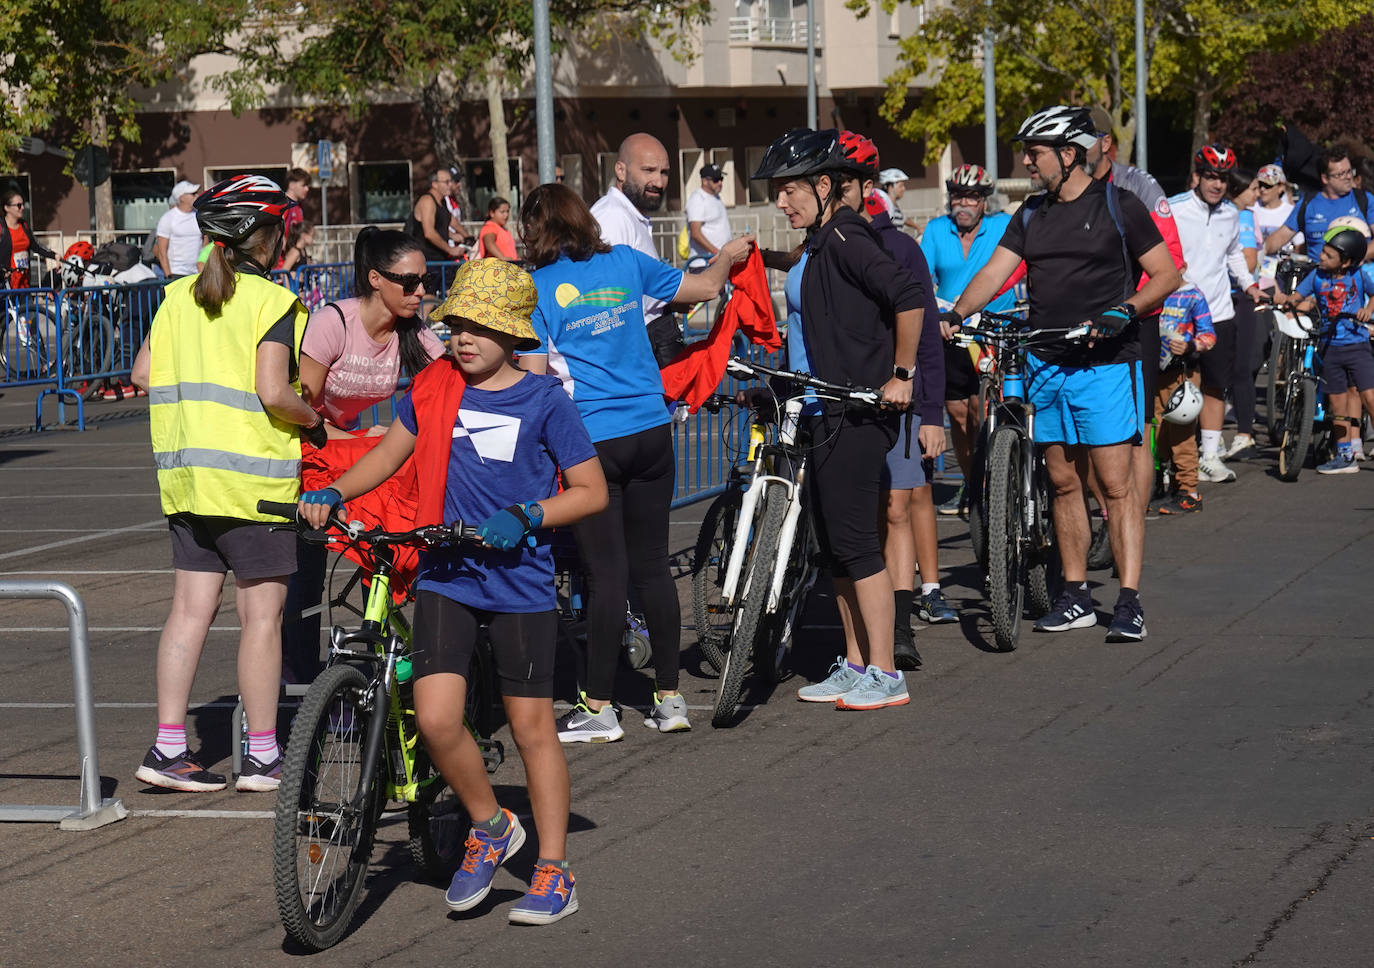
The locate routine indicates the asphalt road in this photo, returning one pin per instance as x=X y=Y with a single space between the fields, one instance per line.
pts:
x=1202 y=798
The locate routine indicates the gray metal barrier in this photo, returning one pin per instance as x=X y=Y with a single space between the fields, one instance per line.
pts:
x=92 y=811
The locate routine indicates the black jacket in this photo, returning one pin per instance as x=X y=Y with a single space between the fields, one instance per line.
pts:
x=7 y=250
x=851 y=293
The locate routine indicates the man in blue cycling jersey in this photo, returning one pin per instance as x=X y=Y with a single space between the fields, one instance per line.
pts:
x=1083 y=269
x=955 y=247
x=1338 y=197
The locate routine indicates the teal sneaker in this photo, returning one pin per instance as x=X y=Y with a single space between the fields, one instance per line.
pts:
x=832 y=687
x=552 y=897
x=874 y=690
x=482 y=855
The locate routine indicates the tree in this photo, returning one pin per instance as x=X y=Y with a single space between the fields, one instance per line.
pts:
x=440 y=53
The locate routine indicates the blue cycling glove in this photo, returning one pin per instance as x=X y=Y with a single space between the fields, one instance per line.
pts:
x=1114 y=320
x=329 y=497
x=505 y=529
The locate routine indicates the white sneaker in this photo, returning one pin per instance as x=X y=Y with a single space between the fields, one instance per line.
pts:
x=1239 y=445
x=1213 y=471
x=581 y=725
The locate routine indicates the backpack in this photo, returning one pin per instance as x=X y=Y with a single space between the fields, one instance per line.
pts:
x=1361 y=201
x=1033 y=204
x=115 y=257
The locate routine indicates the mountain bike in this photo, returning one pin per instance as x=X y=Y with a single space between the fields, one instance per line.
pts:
x=1283 y=347
x=756 y=554
x=354 y=747
x=29 y=336
x=1013 y=487
x=1307 y=428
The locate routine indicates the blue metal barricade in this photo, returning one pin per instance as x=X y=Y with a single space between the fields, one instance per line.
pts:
x=30 y=337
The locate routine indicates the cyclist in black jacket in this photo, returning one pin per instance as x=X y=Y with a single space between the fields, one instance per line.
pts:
x=859 y=323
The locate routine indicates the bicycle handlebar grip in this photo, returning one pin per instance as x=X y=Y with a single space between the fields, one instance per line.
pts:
x=279 y=508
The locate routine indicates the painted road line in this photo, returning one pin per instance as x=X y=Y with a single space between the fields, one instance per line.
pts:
x=207 y=814
x=140 y=527
x=76 y=467
x=106 y=628
x=194 y=707
x=91 y=536
x=75 y=497
x=133 y=571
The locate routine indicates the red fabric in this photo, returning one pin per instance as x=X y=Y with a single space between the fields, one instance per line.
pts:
x=390 y=505
x=436 y=393
x=696 y=372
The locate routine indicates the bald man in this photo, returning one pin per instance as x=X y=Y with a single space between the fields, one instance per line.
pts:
x=641 y=183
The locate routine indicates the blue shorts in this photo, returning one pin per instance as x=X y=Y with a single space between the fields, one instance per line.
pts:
x=1347 y=366
x=1093 y=405
x=902 y=473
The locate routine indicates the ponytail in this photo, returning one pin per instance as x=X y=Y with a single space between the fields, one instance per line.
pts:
x=216 y=284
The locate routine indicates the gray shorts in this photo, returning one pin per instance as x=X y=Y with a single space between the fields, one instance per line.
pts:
x=247 y=548
x=900 y=472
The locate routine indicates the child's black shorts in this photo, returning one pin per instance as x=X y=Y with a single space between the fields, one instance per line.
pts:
x=523 y=642
x=1348 y=366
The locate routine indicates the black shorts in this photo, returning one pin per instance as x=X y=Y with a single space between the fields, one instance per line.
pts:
x=1149 y=362
x=523 y=643
x=250 y=549
x=1348 y=366
x=1219 y=363
x=961 y=379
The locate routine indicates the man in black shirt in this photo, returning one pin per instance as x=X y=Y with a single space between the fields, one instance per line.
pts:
x=1085 y=244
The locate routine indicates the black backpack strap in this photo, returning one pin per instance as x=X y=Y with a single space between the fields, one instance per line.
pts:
x=1114 y=209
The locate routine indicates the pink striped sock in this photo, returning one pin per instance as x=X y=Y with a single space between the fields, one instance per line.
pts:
x=171 y=739
x=263 y=746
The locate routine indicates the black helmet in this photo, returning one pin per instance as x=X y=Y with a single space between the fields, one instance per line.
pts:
x=235 y=208
x=1349 y=243
x=1059 y=126
x=802 y=151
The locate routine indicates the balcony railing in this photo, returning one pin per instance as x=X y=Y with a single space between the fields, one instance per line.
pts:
x=770 y=30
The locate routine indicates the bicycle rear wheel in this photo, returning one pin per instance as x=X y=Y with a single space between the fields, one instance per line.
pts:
x=753 y=597
x=1042 y=572
x=976 y=492
x=1005 y=592
x=713 y=618
x=1276 y=384
x=1296 y=441
x=87 y=345
x=321 y=842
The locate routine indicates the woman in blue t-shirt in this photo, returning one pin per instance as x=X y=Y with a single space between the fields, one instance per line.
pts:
x=484 y=434
x=591 y=322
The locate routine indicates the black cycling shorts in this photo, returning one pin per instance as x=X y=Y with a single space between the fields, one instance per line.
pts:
x=1218 y=364
x=961 y=379
x=523 y=643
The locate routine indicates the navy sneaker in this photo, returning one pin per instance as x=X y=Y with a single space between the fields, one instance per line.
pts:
x=259 y=777
x=1128 y=622
x=552 y=896
x=1069 y=612
x=933 y=608
x=177 y=773
x=481 y=856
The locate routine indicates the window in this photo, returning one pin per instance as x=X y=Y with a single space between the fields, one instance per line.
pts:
x=275 y=172
x=481 y=185
x=758 y=189
x=572 y=171
x=382 y=191
x=606 y=164
x=140 y=197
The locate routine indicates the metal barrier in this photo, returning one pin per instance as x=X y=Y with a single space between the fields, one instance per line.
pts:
x=92 y=811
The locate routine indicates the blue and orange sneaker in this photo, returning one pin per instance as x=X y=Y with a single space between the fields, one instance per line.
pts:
x=481 y=856
x=552 y=896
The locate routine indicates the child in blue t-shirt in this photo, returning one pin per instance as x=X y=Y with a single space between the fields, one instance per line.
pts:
x=489 y=441
x=1344 y=300
x=1185 y=332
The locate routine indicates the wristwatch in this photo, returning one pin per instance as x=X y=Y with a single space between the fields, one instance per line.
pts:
x=902 y=373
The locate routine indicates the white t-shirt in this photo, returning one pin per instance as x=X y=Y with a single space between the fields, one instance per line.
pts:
x=710 y=211
x=183 y=240
x=623 y=224
x=1266 y=221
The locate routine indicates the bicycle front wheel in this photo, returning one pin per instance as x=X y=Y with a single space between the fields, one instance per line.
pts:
x=1275 y=387
x=1296 y=440
x=1042 y=571
x=322 y=840
x=87 y=345
x=1005 y=531
x=976 y=494
x=713 y=617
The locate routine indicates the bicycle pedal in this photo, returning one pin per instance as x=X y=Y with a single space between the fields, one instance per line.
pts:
x=493 y=753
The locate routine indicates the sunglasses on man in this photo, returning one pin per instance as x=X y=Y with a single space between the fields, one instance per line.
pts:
x=410 y=281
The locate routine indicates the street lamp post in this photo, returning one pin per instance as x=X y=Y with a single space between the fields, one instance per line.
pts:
x=543 y=92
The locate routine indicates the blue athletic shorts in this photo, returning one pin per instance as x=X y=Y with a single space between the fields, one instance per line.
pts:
x=1348 y=366
x=902 y=473
x=1093 y=405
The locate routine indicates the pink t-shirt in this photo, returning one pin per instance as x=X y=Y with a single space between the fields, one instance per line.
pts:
x=362 y=371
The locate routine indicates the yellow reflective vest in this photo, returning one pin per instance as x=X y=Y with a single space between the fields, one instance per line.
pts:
x=217 y=449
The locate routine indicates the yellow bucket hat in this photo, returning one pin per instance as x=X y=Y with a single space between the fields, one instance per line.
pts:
x=496 y=294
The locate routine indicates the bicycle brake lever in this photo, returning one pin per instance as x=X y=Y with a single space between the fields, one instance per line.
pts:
x=737 y=368
x=1078 y=333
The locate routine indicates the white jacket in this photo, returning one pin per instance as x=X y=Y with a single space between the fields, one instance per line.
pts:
x=1211 y=246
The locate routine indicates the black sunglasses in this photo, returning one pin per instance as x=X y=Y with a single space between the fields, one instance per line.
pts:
x=974 y=195
x=1267 y=185
x=410 y=281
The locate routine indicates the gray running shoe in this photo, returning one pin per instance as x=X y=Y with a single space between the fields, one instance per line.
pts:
x=954 y=505
x=668 y=715
x=832 y=687
x=581 y=725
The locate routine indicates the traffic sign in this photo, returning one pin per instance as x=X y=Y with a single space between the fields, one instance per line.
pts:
x=325 y=156
x=91 y=166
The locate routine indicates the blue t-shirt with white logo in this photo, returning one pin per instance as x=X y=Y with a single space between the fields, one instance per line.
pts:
x=1320 y=212
x=507 y=448
x=797 y=356
x=950 y=269
x=590 y=320
x=1338 y=292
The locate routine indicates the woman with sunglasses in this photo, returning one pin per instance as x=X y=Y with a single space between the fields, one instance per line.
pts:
x=353 y=356
x=16 y=242
x=1270 y=212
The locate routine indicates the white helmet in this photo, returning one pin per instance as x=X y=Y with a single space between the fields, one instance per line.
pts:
x=1058 y=127
x=1348 y=222
x=890 y=176
x=1184 y=404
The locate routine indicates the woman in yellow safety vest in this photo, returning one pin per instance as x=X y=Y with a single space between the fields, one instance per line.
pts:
x=220 y=367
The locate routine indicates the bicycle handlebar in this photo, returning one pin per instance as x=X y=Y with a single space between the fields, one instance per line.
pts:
x=429 y=534
x=746 y=369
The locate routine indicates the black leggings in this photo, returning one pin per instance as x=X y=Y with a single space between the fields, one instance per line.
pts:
x=627 y=545
x=1249 y=349
x=844 y=482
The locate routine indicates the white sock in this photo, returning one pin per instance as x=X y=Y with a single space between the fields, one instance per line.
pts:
x=929 y=586
x=1211 y=443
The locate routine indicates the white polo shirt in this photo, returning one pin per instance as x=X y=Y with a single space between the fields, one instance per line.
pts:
x=710 y=211
x=623 y=224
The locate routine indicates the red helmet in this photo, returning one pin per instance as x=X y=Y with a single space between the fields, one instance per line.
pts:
x=236 y=207
x=82 y=250
x=1214 y=158
x=860 y=154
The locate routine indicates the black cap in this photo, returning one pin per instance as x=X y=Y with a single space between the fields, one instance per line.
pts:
x=712 y=172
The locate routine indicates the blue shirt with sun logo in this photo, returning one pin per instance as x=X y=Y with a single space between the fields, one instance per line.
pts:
x=590 y=320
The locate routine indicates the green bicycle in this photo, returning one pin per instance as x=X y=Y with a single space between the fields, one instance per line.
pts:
x=354 y=747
